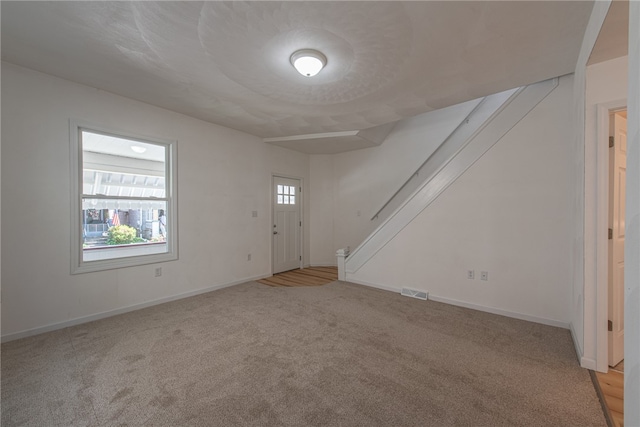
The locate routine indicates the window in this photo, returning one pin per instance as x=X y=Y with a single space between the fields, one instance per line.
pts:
x=286 y=195
x=124 y=201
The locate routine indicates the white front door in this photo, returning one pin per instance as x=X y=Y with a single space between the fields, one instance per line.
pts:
x=617 y=185
x=286 y=224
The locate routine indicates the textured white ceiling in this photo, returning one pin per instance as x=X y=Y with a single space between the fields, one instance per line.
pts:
x=228 y=62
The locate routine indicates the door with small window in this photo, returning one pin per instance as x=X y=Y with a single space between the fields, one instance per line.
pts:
x=286 y=224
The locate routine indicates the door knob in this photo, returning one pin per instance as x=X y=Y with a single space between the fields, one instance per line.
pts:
x=275 y=232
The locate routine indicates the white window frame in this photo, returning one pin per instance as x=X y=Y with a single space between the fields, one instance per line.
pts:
x=76 y=168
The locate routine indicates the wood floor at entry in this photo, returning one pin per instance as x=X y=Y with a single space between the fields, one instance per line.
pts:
x=311 y=276
x=612 y=388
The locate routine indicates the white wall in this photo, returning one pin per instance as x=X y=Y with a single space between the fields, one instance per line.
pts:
x=360 y=182
x=322 y=191
x=606 y=81
x=223 y=175
x=632 y=243
x=510 y=214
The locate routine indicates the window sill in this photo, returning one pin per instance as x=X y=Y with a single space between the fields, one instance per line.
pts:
x=107 y=258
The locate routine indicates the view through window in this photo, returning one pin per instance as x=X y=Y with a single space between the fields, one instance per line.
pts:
x=286 y=195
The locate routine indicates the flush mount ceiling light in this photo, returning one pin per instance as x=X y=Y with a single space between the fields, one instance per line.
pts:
x=308 y=62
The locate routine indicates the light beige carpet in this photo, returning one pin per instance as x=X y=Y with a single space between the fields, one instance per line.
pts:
x=336 y=355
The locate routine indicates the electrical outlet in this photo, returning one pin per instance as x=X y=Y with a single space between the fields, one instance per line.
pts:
x=158 y=271
x=471 y=274
x=254 y=214
x=484 y=275
x=249 y=257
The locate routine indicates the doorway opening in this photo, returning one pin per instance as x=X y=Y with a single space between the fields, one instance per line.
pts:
x=616 y=235
x=610 y=223
x=602 y=221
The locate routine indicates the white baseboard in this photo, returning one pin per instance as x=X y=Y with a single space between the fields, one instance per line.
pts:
x=319 y=265
x=588 y=363
x=585 y=362
x=506 y=313
x=110 y=313
x=374 y=285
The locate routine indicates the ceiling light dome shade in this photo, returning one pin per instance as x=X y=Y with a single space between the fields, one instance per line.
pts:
x=308 y=62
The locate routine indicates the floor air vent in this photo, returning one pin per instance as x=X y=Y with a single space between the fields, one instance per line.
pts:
x=414 y=294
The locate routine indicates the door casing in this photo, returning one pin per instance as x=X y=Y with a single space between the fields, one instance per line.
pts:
x=272 y=194
x=601 y=225
x=617 y=163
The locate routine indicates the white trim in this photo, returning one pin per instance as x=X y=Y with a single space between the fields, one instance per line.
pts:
x=473 y=117
x=506 y=313
x=311 y=136
x=596 y=242
x=321 y=265
x=450 y=301
x=111 y=313
x=171 y=161
x=375 y=285
x=583 y=259
x=585 y=362
x=124 y=251
x=301 y=207
x=504 y=111
x=632 y=221
x=446 y=169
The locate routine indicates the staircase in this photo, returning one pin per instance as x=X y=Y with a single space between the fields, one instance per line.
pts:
x=487 y=123
x=96 y=241
x=96 y=234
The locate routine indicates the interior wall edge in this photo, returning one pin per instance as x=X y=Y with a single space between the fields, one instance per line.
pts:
x=585 y=362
